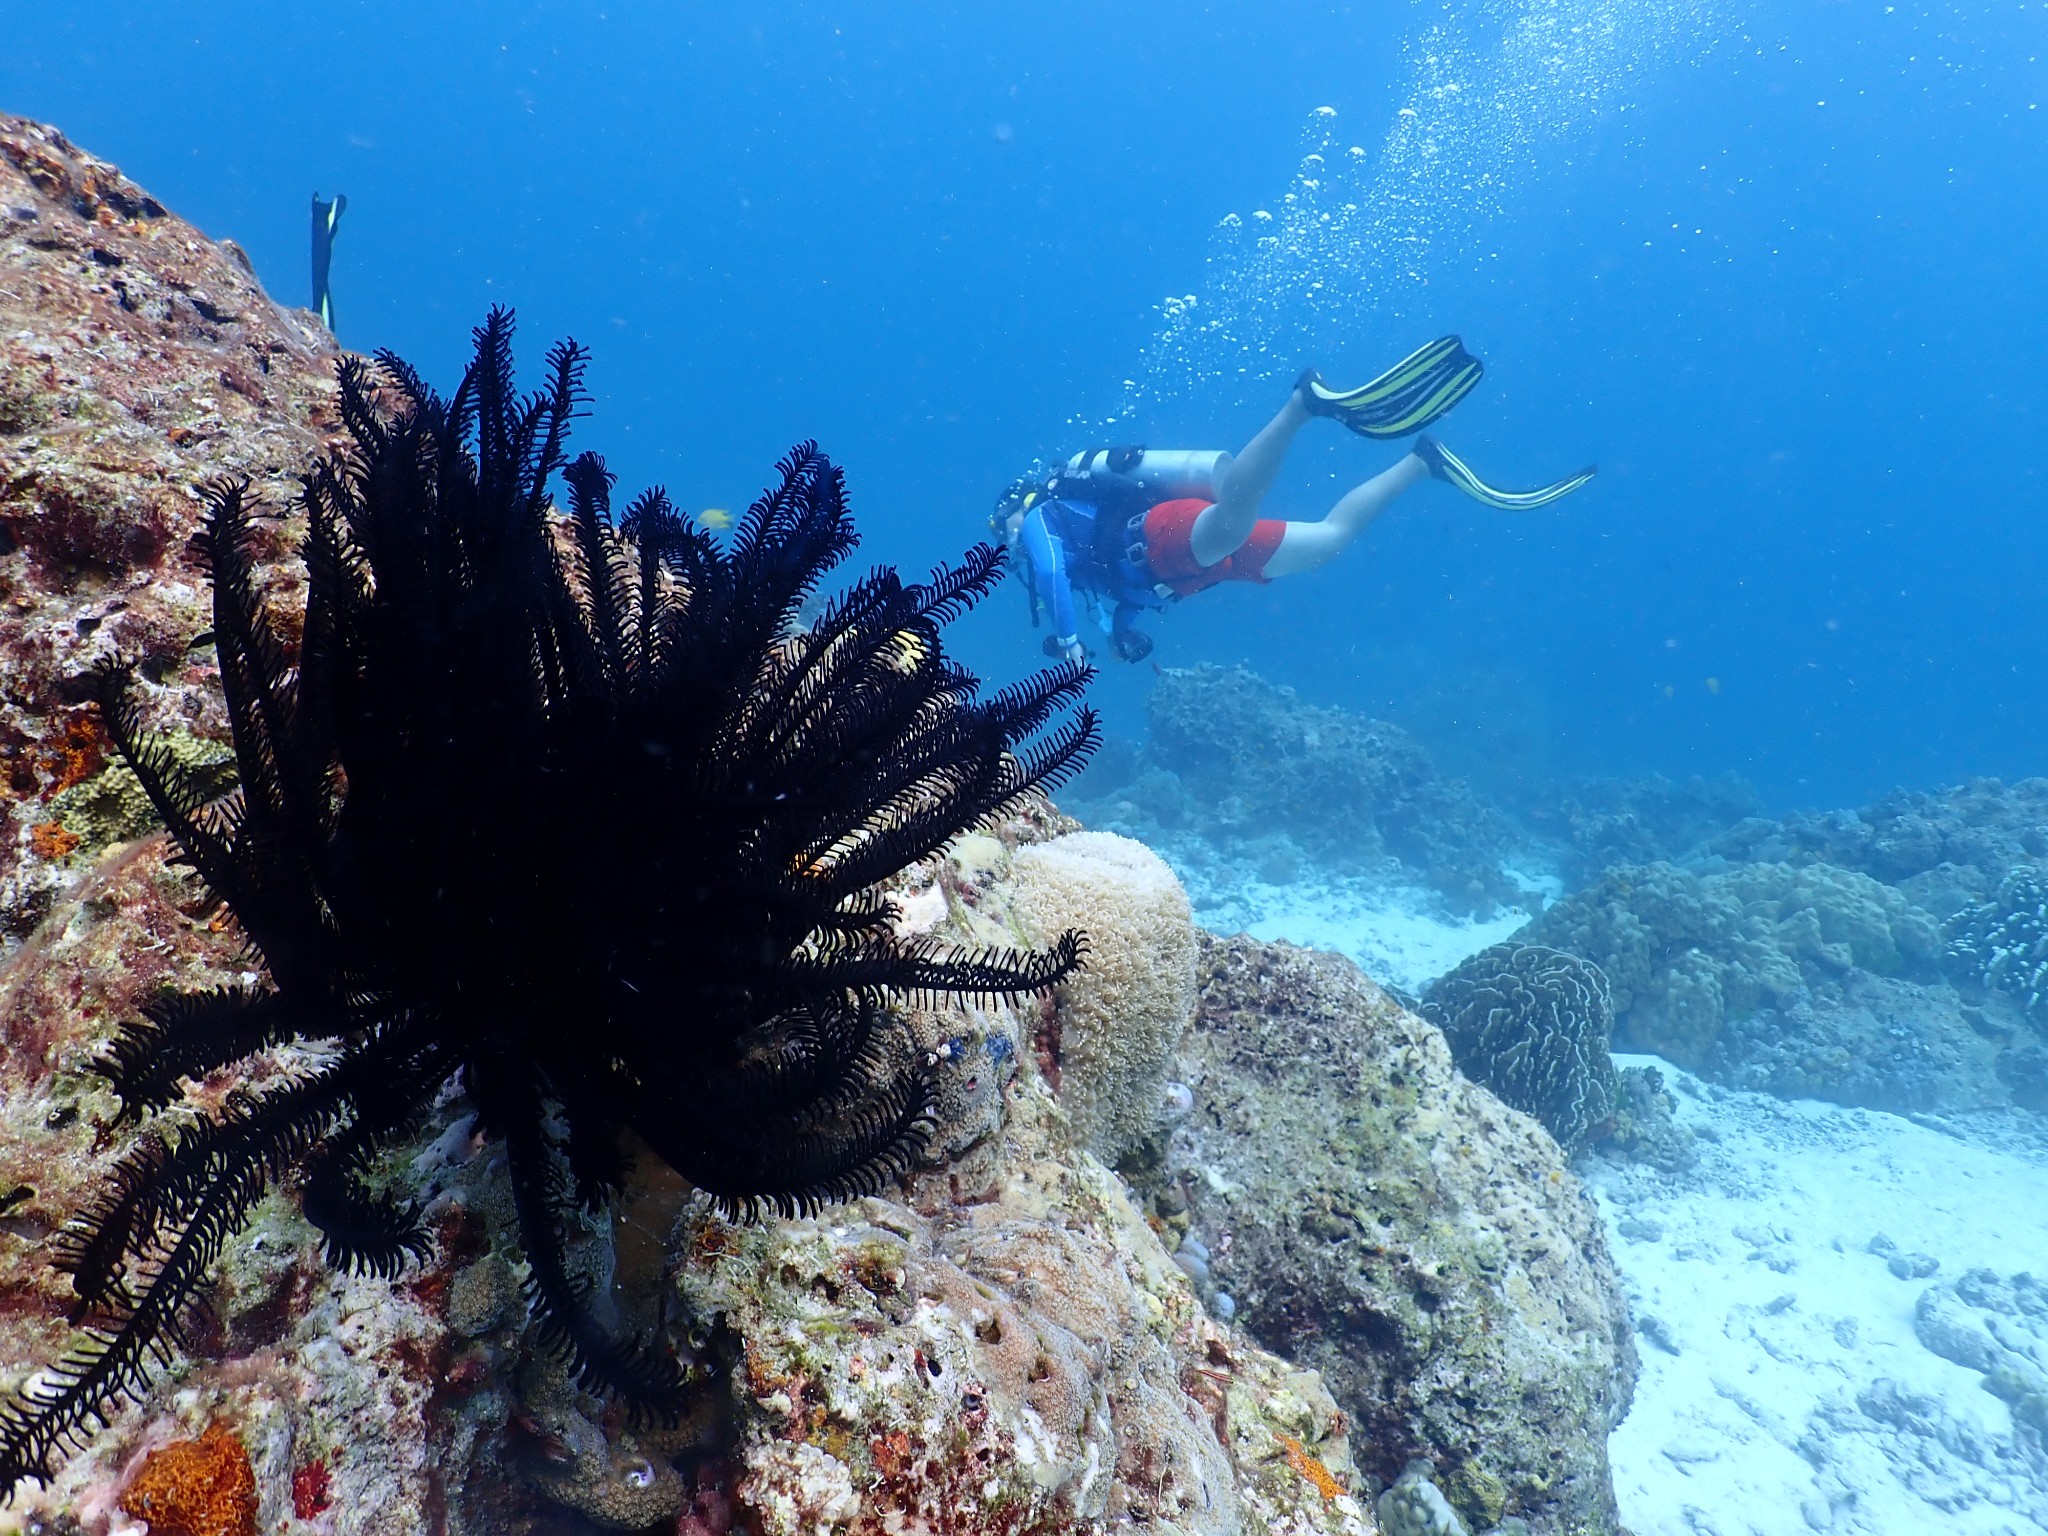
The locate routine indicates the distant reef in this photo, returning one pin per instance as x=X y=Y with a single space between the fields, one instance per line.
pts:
x=1893 y=957
x=1265 y=776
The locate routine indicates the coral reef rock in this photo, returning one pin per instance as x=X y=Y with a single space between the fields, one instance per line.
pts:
x=138 y=360
x=1025 y=1359
x=1603 y=822
x=1007 y=1345
x=1271 y=779
x=2003 y=943
x=1376 y=1216
x=1534 y=1024
x=1946 y=849
x=1119 y=1019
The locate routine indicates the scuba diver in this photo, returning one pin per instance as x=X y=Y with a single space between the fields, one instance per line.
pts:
x=1129 y=529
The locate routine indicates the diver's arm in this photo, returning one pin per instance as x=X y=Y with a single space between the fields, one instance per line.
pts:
x=1048 y=559
x=1130 y=642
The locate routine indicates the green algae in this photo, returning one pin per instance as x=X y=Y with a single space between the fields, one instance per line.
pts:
x=112 y=807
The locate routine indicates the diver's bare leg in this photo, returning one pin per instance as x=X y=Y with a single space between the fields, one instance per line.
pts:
x=1304 y=546
x=1241 y=486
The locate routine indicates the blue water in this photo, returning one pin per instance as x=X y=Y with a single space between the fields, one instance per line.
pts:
x=1777 y=268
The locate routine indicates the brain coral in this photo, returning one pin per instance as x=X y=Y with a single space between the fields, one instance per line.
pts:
x=1121 y=1016
x=1533 y=1024
x=1685 y=952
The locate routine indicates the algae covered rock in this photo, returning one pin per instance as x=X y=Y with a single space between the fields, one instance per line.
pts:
x=1379 y=1218
x=1028 y=1361
x=138 y=361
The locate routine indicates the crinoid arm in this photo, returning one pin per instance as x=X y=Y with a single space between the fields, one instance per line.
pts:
x=187 y=1035
x=648 y=1381
x=839 y=1106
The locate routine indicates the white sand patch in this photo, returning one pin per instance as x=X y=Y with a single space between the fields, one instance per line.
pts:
x=1399 y=935
x=1799 y=1398
x=1390 y=932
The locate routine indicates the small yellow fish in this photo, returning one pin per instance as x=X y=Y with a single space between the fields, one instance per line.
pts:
x=717 y=519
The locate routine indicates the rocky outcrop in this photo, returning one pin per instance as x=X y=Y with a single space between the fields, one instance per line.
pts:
x=1007 y=1348
x=1005 y=1345
x=1374 y=1215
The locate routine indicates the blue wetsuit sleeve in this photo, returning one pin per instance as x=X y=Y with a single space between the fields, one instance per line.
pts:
x=1048 y=559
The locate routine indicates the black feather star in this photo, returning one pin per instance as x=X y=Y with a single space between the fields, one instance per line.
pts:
x=567 y=805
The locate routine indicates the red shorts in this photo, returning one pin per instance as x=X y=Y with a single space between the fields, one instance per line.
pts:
x=1167 y=529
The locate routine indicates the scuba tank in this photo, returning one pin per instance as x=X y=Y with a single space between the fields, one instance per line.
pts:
x=1167 y=473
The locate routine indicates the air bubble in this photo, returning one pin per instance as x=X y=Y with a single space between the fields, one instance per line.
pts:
x=1490 y=94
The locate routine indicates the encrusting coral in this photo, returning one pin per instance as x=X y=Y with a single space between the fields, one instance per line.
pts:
x=479 y=683
x=1533 y=1024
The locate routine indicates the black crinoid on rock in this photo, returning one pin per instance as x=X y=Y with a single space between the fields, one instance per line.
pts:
x=568 y=805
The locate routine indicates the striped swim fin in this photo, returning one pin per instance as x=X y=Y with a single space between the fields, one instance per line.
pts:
x=1448 y=467
x=1406 y=398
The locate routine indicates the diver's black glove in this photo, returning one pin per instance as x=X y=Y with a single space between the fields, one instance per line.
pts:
x=1064 y=648
x=1131 y=644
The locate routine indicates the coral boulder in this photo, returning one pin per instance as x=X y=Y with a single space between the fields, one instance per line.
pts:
x=1376 y=1216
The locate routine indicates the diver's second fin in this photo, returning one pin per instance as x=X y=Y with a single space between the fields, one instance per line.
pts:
x=1448 y=467
x=1406 y=398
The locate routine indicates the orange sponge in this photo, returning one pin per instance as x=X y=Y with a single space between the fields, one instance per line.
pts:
x=202 y=1487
